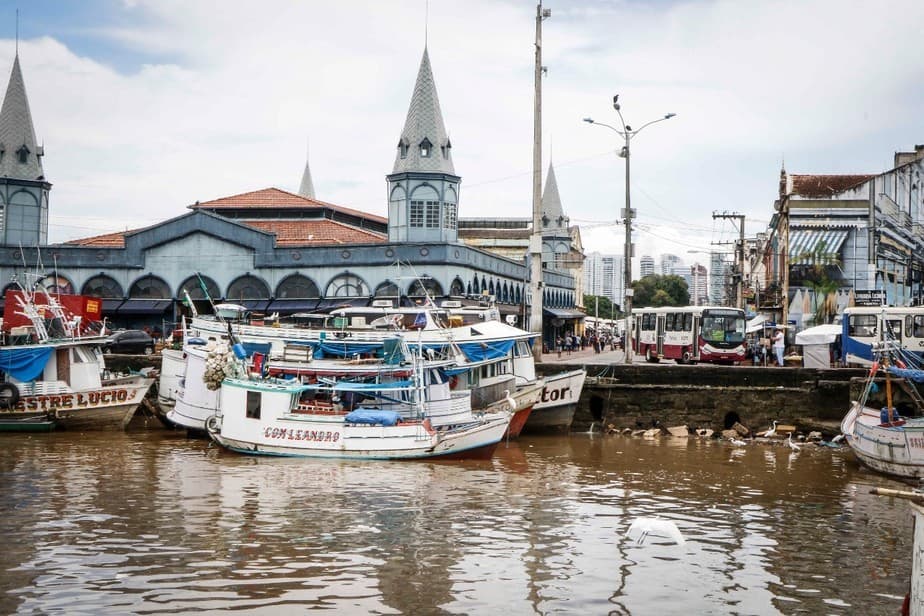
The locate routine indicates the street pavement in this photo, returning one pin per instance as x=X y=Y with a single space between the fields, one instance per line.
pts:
x=588 y=356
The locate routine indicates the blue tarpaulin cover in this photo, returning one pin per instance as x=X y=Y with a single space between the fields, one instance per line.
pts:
x=907 y=373
x=24 y=364
x=371 y=416
x=482 y=351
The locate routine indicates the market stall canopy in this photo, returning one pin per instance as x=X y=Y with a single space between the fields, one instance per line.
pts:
x=756 y=324
x=820 y=334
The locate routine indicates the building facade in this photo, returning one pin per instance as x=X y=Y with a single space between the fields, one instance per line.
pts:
x=269 y=249
x=646 y=266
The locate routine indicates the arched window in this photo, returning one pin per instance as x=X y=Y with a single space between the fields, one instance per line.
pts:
x=58 y=284
x=426 y=286
x=297 y=286
x=519 y=296
x=248 y=287
x=468 y=288
x=387 y=289
x=457 y=288
x=193 y=287
x=425 y=148
x=482 y=287
x=503 y=294
x=149 y=287
x=424 y=208
x=347 y=285
x=102 y=286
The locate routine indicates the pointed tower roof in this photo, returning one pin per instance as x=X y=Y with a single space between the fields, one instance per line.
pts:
x=424 y=144
x=307 y=187
x=551 y=200
x=16 y=132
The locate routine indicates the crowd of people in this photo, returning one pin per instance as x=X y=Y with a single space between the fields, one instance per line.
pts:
x=570 y=342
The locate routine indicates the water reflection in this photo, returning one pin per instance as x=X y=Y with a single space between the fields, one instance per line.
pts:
x=151 y=522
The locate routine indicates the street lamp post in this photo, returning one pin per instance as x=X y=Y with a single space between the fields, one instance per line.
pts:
x=627 y=214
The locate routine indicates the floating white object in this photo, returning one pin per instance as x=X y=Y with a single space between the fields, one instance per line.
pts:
x=641 y=528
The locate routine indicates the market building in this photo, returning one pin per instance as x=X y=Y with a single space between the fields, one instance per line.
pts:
x=269 y=249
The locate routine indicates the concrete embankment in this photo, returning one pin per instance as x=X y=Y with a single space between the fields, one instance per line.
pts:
x=704 y=396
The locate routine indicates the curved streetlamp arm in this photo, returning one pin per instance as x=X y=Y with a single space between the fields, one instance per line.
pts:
x=638 y=130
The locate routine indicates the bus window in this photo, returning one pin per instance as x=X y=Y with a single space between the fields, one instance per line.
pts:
x=723 y=328
x=862 y=325
x=688 y=322
x=669 y=322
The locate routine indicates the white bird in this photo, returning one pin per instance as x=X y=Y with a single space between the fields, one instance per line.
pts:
x=737 y=442
x=793 y=445
x=770 y=432
x=838 y=438
x=510 y=400
x=655 y=527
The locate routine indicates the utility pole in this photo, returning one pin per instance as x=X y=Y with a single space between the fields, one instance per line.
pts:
x=535 y=240
x=739 y=254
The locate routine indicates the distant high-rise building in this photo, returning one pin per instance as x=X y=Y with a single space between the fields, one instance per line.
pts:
x=646 y=266
x=670 y=264
x=603 y=276
x=699 y=295
x=719 y=268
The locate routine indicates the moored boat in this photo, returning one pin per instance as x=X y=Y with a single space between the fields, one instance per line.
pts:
x=555 y=410
x=53 y=368
x=396 y=420
x=879 y=437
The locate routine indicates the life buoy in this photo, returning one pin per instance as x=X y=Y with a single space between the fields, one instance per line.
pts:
x=213 y=425
x=9 y=395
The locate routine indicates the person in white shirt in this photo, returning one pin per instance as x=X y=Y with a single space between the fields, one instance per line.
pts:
x=779 y=344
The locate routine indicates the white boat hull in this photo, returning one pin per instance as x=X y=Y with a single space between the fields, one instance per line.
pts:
x=331 y=437
x=894 y=450
x=109 y=407
x=555 y=410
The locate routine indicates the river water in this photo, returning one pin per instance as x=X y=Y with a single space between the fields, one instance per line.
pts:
x=150 y=522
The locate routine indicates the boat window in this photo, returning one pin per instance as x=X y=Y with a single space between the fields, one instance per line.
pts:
x=917 y=330
x=862 y=325
x=253 y=404
x=894 y=328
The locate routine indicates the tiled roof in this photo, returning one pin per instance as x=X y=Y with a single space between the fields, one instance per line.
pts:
x=108 y=240
x=314 y=232
x=275 y=198
x=425 y=121
x=819 y=186
x=16 y=131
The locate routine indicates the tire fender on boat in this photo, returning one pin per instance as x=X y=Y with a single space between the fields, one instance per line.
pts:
x=213 y=424
x=9 y=395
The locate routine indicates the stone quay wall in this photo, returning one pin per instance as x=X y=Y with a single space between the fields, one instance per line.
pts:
x=644 y=395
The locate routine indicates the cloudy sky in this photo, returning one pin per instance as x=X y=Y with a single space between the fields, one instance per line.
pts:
x=147 y=106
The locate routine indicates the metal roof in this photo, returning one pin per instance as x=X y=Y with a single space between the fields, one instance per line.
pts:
x=815 y=246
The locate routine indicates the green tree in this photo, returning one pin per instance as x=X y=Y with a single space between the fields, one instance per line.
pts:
x=657 y=291
x=594 y=303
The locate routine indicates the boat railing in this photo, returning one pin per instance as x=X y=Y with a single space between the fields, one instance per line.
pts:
x=43 y=388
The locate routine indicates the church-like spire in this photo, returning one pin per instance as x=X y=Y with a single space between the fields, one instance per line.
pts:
x=20 y=155
x=307 y=187
x=552 y=211
x=424 y=144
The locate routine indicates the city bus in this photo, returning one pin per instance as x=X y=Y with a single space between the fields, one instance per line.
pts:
x=864 y=326
x=690 y=334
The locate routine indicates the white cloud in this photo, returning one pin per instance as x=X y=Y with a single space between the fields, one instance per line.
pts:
x=234 y=90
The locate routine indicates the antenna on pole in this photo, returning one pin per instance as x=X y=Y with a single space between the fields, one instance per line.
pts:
x=426 y=22
x=17 y=31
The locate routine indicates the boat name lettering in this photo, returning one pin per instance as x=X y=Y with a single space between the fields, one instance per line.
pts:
x=318 y=436
x=916 y=441
x=72 y=400
x=555 y=394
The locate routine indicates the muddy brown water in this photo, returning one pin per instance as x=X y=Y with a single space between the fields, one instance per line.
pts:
x=151 y=522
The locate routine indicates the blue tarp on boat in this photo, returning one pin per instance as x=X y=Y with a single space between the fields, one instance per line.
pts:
x=24 y=364
x=371 y=416
x=907 y=373
x=483 y=351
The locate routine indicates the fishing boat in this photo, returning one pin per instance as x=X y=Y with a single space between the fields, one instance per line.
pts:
x=880 y=437
x=52 y=370
x=371 y=418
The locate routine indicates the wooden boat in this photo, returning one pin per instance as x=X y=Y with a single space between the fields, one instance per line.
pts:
x=879 y=437
x=54 y=368
x=560 y=396
x=286 y=418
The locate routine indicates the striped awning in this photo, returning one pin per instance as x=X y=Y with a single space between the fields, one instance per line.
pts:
x=815 y=246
